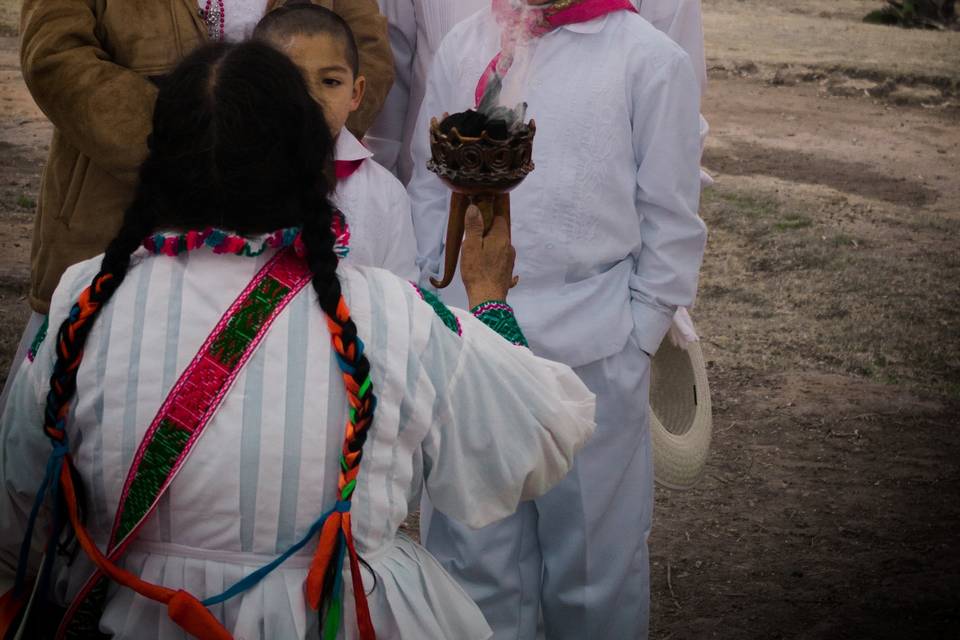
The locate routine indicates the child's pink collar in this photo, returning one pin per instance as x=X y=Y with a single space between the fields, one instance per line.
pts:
x=349 y=155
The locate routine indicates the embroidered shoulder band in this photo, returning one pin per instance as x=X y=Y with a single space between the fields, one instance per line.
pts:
x=188 y=409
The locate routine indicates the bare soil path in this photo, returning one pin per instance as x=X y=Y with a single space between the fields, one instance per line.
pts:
x=830 y=310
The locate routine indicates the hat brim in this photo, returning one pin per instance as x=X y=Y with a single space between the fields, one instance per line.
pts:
x=681 y=415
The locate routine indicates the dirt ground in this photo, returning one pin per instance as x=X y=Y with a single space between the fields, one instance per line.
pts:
x=830 y=312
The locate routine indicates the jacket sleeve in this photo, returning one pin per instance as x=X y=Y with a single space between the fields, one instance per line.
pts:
x=376 y=61
x=666 y=139
x=101 y=108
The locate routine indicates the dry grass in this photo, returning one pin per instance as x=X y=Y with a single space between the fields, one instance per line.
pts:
x=810 y=281
x=9 y=17
x=826 y=35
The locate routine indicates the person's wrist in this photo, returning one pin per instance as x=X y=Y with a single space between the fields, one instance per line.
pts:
x=480 y=293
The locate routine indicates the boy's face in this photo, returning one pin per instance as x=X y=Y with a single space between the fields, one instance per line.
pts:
x=323 y=61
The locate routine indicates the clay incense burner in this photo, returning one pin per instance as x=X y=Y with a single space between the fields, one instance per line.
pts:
x=480 y=170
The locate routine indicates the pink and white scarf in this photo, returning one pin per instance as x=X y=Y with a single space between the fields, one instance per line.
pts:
x=522 y=24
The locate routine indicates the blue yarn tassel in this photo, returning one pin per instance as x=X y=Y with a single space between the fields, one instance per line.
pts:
x=50 y=484
x=248 y=582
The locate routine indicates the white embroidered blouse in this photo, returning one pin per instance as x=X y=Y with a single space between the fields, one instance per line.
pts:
x=480 y=423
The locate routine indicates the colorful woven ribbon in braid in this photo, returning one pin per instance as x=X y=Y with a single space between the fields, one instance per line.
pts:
x=324 y=582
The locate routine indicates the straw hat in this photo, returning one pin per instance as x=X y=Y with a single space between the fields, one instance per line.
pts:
x=681 y=420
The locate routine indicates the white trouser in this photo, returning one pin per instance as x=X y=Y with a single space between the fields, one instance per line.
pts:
x=580 y=551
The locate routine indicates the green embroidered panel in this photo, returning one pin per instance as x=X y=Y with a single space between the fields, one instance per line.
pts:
x=158 y=460
x=232 y=342
x=498 y=315
x=442 y=311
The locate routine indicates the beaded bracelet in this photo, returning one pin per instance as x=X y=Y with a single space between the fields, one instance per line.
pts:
x=498 y=315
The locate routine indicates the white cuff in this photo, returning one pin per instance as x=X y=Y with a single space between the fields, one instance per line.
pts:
x=650 y=325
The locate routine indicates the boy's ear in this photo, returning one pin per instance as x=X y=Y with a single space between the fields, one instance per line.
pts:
x=359 y=87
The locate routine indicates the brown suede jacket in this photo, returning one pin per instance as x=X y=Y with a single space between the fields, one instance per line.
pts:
x=88 y=65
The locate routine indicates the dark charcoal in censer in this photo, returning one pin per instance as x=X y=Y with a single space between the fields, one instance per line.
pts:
x=472 y=124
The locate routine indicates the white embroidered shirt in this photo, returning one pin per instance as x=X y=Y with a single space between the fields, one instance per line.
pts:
x=606 y=229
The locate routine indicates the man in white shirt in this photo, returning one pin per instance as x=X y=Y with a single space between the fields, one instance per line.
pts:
x=608 y=246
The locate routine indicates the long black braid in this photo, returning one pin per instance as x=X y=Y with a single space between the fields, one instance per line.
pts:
x=237 y=143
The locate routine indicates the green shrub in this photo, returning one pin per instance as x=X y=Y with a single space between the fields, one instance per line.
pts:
x=924 y=14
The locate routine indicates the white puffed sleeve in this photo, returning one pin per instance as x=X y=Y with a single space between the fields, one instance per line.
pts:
x=507 y=424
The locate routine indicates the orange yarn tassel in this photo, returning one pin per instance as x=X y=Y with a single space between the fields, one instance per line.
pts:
x=322 y=558
x=183 y=608
x=194 y=618
x=362 y=404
